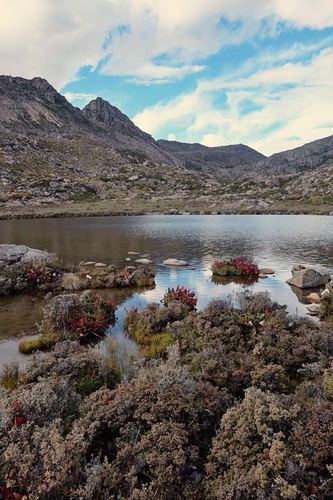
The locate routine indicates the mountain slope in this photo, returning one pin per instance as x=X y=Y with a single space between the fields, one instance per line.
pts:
x=221 y=160
x=34 y=107
x=310 y=156
x=122 y=131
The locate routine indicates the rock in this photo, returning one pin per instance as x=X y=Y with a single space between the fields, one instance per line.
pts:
x=313 y=309
x=304 y=276
x=100 y=264
x=21 y=254
x=144 y=261
x=325 y=294
x=133 y=253
x=266 y=270
x=128 y=259
x=313 y=297
x=175 y=262
x=90 y=263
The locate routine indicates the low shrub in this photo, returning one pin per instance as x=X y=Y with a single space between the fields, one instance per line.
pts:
x=181 y=295
x=86 y=315
x=221 y=414
x=237 y=267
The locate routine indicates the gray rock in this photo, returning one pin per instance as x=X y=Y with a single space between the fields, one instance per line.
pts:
x=21 y=254
x=305 y=276
x=144 y=261
x=175 y=262
x=313 y=309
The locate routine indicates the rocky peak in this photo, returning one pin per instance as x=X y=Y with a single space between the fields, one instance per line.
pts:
x=109 y=117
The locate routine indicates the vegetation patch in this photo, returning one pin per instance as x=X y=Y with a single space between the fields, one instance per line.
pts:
x=237 y=267
x=239 y=406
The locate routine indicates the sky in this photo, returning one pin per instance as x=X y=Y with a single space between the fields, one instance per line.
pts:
x=257 y=72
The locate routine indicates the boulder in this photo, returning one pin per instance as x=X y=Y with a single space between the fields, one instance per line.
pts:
x=304 y=276
x=313 y=297
x=90 y=263
x=100 y=264
x=21 y=254
x=175 y=262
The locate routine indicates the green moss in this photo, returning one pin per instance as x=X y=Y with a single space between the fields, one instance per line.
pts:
x=87 y=384
x=41 y=343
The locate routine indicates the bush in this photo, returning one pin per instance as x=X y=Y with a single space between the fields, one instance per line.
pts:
x=237 y=267
x=221 y=414
x=181 y=295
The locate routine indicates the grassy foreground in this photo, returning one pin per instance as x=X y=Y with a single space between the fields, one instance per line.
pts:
x=160 y=206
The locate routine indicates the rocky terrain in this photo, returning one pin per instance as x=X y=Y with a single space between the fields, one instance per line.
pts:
x=54 y=156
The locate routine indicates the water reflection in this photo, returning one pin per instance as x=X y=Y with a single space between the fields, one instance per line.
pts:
x=272 y=241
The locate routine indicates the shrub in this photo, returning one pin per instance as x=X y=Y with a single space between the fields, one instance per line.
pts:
x=237 y=267
x=149 y=327
x=181 y=295
x=84 y=315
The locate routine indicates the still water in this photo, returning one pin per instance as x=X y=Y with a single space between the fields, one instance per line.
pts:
x=276 y=241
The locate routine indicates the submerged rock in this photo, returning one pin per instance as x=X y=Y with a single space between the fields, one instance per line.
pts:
x=304 y=276
x=175 y=262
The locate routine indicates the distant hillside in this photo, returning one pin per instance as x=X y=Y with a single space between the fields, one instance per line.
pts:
x=221 y=160
x=315 y=154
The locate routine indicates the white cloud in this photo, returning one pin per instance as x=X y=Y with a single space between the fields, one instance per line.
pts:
x=292 y=104
x=149 y=40
x=79 y=97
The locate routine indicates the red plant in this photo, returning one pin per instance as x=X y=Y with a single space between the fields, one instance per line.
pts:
x=38 y=275
x=18 y=414
x=236 y=267
x=6 y=493
x=182 y=295
x=96 y=316
x=87 y=325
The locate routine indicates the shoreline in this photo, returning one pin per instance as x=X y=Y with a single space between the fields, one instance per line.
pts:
x=159 y=207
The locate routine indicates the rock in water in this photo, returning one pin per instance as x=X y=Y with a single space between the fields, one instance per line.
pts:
x=266 y=270
x=175 y=262
x=144 y=261
x=304 y=276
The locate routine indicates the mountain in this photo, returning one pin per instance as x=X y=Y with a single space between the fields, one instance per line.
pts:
x=35 y=108
x=220 y=160
x=52 y=152
x=310 y=156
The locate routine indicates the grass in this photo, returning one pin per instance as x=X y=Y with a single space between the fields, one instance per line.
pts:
x=41 y=343
x=9 y=377
x=160 y=206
